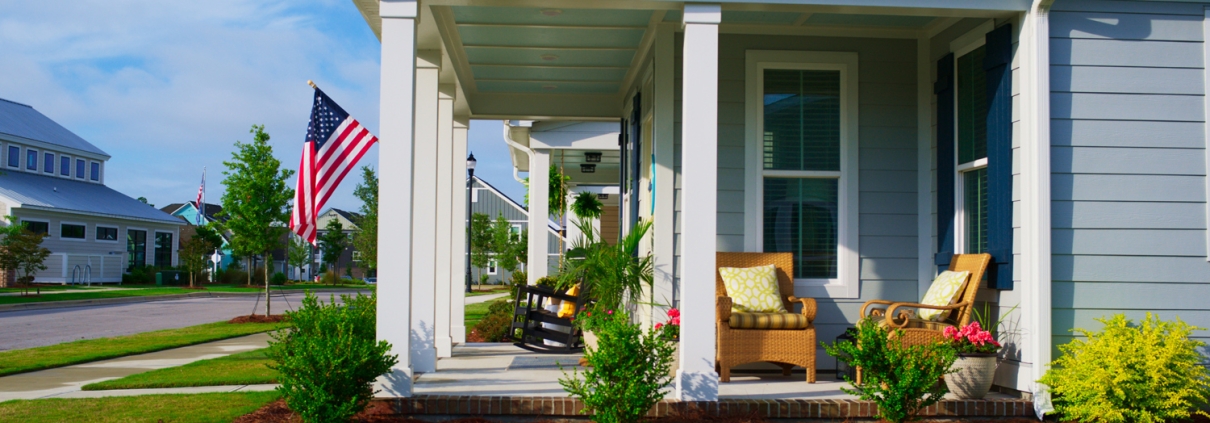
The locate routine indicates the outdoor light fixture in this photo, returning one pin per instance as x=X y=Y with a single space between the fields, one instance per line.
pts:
x=588 y=168
x=602 y=196
x=470 y=181
x=470 y=164
x=592 y=157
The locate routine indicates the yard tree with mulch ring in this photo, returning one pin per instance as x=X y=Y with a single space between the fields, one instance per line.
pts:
x=256 y=202
x=21 y=252
x=197 y=250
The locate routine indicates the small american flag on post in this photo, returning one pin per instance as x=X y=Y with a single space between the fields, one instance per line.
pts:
x=201 y=198
x=335 y=143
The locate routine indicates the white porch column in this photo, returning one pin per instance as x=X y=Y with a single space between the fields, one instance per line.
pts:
x=445 y=153
x=424 y=212
x=539 y=190
x=663 y=229
x=1034 y=48
x=696 y=380
x=395 y=149
x=458 y=232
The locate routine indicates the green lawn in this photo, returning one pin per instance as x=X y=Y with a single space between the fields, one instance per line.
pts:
x=477 y=292
x=475 y=312
x=85 y=295
x=200 y=408
x=294 y=287
x=27 y=360
x=246 y=368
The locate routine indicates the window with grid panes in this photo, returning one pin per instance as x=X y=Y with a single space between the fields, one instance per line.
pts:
x=972 y=110
x=801 y=164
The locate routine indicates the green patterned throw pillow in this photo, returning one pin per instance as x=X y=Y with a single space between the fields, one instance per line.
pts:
x=945 y=287
x=753 y=289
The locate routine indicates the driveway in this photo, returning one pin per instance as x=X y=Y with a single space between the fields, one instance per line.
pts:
x=35 y=328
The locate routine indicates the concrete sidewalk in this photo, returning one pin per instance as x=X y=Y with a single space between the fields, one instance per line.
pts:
x=484 y=298
x=67 y=381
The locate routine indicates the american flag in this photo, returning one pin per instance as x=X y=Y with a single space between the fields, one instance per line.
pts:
x=335 y=142
x=201 y=198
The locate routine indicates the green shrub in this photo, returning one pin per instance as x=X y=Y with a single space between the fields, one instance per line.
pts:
x=327 y=361
x=1150 y=372
x=279 y=278
x=630 y=367
x=351 y=281
x=140 y=275
x=517 y=280
x=233 y=276
x=900 y=379
x=329 y=278
x=496 y=325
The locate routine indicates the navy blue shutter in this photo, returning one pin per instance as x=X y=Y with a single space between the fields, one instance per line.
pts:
x=622 y=176
x=999 y=157
x=944 y=89
x=636 y=159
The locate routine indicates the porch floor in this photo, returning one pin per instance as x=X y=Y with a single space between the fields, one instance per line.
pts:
x=505 y=370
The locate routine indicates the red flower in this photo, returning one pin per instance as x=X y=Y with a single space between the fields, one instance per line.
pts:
x=675 y=321
x=658 y=326
x=673 y=312
x=610 y=312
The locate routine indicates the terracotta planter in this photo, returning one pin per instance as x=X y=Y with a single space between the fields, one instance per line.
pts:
x=972 y=376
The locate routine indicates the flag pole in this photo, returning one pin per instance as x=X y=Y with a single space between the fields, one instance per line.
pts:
x=312 y=84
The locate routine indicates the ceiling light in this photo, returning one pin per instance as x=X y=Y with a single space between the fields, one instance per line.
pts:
x=549 y=57
x=551 y=12
x=592 y=157
x=588 y=168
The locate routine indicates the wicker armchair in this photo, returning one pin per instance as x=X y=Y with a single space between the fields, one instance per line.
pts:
x=785 y=347
x=902 y=315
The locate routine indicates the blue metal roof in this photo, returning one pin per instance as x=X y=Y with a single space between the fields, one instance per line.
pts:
x=59 y=194
x=23 y=121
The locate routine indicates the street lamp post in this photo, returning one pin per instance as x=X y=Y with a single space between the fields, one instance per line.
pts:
x=470 y=181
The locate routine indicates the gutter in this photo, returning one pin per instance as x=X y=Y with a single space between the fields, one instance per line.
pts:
x=508 y=131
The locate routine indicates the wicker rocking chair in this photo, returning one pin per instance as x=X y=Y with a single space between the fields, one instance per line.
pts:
x=750 y=337
x=916 y=331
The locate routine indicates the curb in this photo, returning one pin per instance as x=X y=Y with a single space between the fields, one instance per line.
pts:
x=44 y=305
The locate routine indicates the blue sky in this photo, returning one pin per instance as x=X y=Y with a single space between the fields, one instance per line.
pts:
x=166 y=88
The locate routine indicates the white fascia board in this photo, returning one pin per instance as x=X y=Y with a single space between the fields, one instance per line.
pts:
x=574 y=140
x=105 y=215
x=42 y=145
x=897 y=6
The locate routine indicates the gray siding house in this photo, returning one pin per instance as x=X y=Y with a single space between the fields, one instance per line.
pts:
x=488 y=200
x=54 y=182
x=872 y=139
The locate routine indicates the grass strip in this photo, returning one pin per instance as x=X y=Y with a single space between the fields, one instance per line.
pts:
x=171 y=408
x=83 y=351
x=246 y=368
x=15 y=299
x=475 y=312
x=298 y=287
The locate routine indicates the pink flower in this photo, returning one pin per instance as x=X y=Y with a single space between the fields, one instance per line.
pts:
x=658 y=326
x=610 y=312
x=675 y=321
x=673 y=313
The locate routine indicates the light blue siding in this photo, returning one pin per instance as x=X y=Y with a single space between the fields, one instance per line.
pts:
x=1128 y=163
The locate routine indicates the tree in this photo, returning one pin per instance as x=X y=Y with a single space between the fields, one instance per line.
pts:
x=506 y=246
x=144 y=200
x=257 y=199
x=298 y=253
x=365 y=239
x=332 y=244
x=481 y=241
x=196 y=251
x=21 y=251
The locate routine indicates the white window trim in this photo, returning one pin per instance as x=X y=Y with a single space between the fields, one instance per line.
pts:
x=356 y=256
x=492 y=267
x=962 y=46
x=847 y=283
x=46 y=221
x=117 y=233
x=8 y=154
x=53 y=161
x=81 y=175
x=89 y=170
x=60 y=236
x=171 y=249
x=70 y=160
x=126 y=250
x=37 y=158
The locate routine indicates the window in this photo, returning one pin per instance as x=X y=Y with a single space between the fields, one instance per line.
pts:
x=970 y=191
x=65 y=165
x=107 y=234
x=136 y=248
x=515 y=231
x=491 y=267
x=14 y=156
x=801 y=181
x=37 y=227
x=80 y=168
x=163 y=250
x=72 y=231
x=94 y=172
x=31 y=159
x=48 y=162
x=357 y=256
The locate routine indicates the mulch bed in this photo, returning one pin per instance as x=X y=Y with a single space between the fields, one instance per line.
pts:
x=259 y=318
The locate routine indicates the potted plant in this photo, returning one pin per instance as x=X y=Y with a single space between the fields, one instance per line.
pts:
x=972 y=373
x=611 y=276
x=670 y=331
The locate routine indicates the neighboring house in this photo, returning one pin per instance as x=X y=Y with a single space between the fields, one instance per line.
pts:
x=188 y=212
x=54 y=182
x=488 y=200
x=350 y=259
x=871 y=139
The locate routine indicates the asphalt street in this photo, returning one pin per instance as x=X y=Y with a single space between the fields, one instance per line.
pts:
x=35 y=328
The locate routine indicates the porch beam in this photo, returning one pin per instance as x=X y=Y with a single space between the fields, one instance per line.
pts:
x=515 y=65
x=587 y=107
x=396 y=91
x=533 y=26
x=696 y=380
x=445 y=212
x=644 y=47
x=539 y=192
x=443 y=19
x=424 y=211
x=458 y=232
x=549 y=48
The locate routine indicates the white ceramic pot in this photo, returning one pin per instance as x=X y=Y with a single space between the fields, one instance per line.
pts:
x=972 y=375
x=676 y=360
x=590 y=340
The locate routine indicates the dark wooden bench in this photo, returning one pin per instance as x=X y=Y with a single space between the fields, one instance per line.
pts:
x=530 y=313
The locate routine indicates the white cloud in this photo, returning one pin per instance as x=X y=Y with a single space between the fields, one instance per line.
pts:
x=167 y=87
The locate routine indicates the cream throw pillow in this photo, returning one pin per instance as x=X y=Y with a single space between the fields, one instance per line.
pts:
x=945 y=287
x=753 y=289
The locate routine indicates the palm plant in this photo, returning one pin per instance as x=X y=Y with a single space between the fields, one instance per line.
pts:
x=611 y=275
